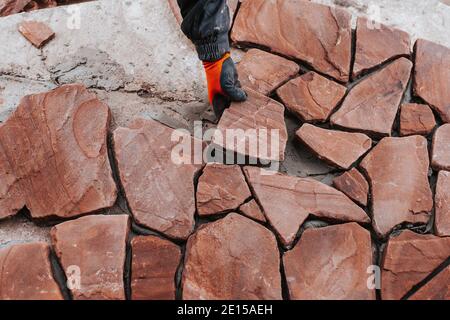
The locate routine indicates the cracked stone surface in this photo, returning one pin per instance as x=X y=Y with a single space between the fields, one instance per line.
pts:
x=416 y=119
x=440 y=153
x=442 y=203
x=437 y=289
x=354 y=185
x=252 y=210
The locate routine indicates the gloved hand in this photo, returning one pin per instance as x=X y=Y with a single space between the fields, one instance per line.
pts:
x=223 y=84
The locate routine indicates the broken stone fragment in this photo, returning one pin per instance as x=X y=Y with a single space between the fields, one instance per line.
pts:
x=288 y=201
x=437 y=288
x=353 y=184
x=252 y=210
x=442 y=202
x=408 y=259
x=397 y=169
x=316 y=34
x=157 y=181
x=264 y=72
x=54 y=157
x=338 y=148
x=221 y=188
x=26 y=273
x=330 y=263
x=8 y=7
x=91 y=251
x=416 y=119
x=371 y=106
x=224 y=263
x=311 y=97
x=154 y=265
x=377 y=43
x=431 y=76
x=38 y=33
x=440 y=153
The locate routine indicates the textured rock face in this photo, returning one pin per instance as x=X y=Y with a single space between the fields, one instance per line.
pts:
x=95 y=246
x=54 y=157
x=311 y=97
x=416 y=119
x=244 y=268
x=221 y=188
x=159 y=190
x=440 y=154
x=264 y=72
x=353 y=184
x=375 y=45
x=400 y=188
x=38 y=33
x=27 y=274
x=287 y=201
x=408 y=259
x=321 y=37
x=252 y=210
x=442 y=203
x=437 y=289
x=330 y=263
x=371 y=106
x=340 y=149
x=154 y=265
x=431 y=76
x=254 y=128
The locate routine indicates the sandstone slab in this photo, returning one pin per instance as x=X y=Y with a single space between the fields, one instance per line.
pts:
x=154 y=265
x=437 y=289
x=288 y=201
x=371 y=106
x=321 y=36
x=416 y=119
x=38 y=33
x=223 y=263
x=252 y=210
x=354 y=185
x=338 y=148
x=311 y=97
x=53 y=156
x=93 y=248
x=442 y=203
x=440 y=153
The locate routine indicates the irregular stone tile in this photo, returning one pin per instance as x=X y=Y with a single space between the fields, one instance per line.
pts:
x=371 y=106
x=264 y=72
x=53 y=155
x=431 y=76
x=340 y=149
x=416 y=119
x=251 y=209
x=440 y=153
x=95 y=247
x=330 y=263
x=27 y=273
x=354 y=185
x=154 y=265
x=311 y=97
x=397 y=169
x=442 y=202
x=321 y=36
x=221 y=188
x=38 y=33
x=253 y=128
x=437 y=289
x=409 y=259
x=375 y=45
x=159 y=189
x=224 y=263
x=287 y=201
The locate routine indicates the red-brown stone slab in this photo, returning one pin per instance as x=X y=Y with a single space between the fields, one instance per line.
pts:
x=437 y=288
x=311 y=97
x=440 y=152
x=431 y=76
x=317 y=34
x=371 y=106
x=252 y=210
x=354 y=185
x=154 y=265
x=416 y=119
x=409 y=259
x=330 y=263
x=377 y=43
x=338 y=148
x=397 y=169
x=159 y=190
x=221 y=188
x=8 y=7
x=223 y=262
x=287 y=201
x=442 y=203
x=38 y=33
x=26 y=273
x=95 y=246
x=54 y=157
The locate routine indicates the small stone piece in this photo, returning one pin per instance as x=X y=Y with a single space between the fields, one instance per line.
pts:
x=224 y=263
x=353 y=184
x=38 y=33
x=440 y=153
x=154 y=265
x=338 y=148
x=252 y=210
x=442 y=202
x=416 y=119
x=437 y=289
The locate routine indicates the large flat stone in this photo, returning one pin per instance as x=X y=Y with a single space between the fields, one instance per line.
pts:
x=442 y=203
x=354 y=185
x=440 y=152
x=437 y=288
x=416 y=119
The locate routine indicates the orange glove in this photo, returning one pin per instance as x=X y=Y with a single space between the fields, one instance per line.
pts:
x=223 y=84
